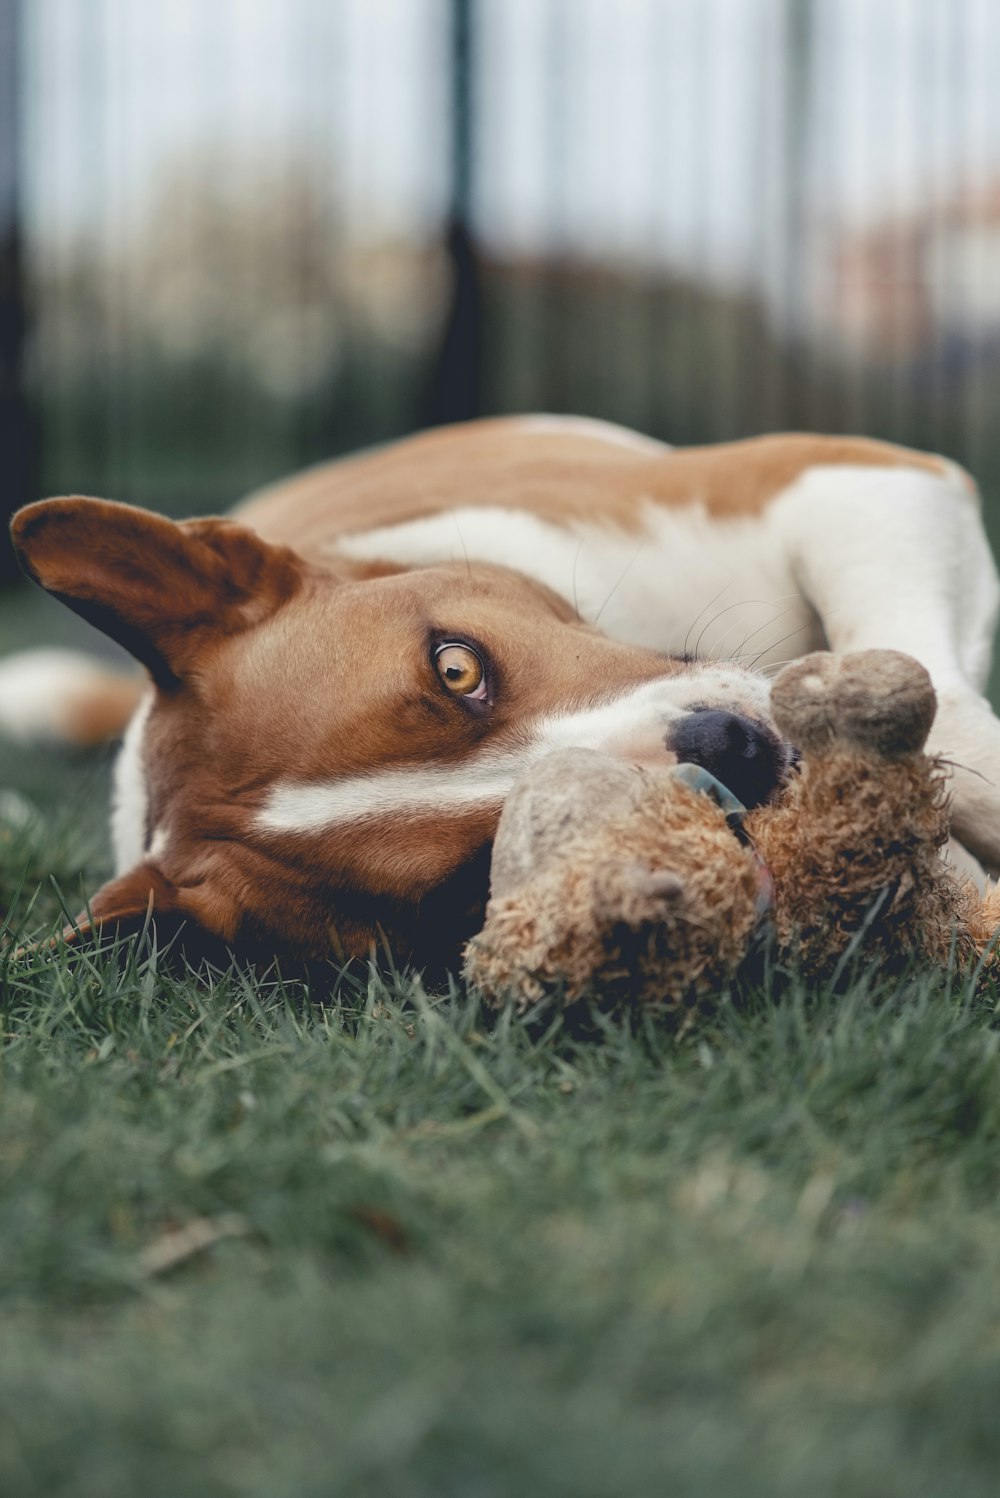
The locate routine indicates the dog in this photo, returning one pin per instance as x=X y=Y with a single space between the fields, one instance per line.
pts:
x=344 y=680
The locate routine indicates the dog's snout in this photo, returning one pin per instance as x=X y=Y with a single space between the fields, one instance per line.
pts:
x=746 y=756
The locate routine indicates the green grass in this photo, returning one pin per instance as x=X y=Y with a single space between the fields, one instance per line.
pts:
x=256 y=1240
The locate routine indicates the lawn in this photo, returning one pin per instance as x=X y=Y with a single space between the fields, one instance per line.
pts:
x=363 y=1240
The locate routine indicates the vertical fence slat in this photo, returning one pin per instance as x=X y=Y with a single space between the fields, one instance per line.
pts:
x=455 y=389
x=17 y=438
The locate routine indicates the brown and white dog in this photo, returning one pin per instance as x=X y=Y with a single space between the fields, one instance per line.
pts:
x=346 y=680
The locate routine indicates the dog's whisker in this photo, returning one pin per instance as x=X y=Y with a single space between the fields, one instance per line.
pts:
x=775 y=643
x=773 y=620
x=714 y=599
x=638 y=553
x=723 y=654
x=468 y=563
x=773 y=667
x=576 y=600
x=714 y=620
x=739 y=604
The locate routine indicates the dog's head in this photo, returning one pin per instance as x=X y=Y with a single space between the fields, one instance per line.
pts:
x=325 y=750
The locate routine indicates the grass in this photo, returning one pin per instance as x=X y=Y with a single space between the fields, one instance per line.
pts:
x=256 y=1240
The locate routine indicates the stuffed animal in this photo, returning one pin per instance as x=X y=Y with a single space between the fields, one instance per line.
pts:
x=652 y=886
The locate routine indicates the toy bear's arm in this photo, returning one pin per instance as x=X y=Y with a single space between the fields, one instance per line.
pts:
x=854 y=846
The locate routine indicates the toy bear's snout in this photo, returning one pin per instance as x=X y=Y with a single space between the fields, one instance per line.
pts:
x=748 y=757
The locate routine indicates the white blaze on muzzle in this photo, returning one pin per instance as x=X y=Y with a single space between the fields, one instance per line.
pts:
x=633 y=726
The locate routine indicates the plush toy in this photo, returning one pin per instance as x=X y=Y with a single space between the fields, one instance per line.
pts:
x=653 y=886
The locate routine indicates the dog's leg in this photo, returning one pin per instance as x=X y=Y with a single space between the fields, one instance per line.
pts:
x=898 y=559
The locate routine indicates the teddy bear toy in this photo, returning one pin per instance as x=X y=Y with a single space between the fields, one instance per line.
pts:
x=654 y=886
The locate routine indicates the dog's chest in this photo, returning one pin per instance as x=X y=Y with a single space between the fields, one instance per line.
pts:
x=684 y=582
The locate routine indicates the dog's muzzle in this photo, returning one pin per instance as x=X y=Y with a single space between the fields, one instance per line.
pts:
x=746 y=756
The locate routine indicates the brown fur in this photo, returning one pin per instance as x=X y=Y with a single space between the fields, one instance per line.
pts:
x=162 y=590
x=226 y=622
x=559 y=477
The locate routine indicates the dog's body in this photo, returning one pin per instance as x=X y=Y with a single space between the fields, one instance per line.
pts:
x=345 y=690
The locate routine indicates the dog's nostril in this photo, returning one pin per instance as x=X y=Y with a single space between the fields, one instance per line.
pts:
x=744 y=755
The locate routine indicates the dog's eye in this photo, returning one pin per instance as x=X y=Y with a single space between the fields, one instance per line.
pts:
x=461 y=670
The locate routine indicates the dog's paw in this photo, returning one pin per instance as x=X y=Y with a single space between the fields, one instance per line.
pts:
x=881 y=701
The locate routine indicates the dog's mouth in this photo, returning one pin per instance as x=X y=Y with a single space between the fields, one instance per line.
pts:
x=745 y=755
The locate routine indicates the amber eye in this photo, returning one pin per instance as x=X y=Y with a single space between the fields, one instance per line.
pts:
x=461 y=670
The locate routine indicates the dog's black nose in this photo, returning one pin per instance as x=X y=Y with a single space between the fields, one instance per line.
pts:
x=746 y=756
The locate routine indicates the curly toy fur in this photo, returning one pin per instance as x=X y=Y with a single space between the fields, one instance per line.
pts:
x=604 y=909
x=623 y=881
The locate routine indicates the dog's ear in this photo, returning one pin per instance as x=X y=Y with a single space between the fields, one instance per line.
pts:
x=125 y=903
x=159 y=587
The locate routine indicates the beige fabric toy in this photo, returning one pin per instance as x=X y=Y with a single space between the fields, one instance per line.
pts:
x=635 y=886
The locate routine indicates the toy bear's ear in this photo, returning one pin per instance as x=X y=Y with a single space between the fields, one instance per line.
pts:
x=161 y=588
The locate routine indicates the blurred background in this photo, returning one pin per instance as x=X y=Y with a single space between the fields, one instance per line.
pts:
x=243 y=235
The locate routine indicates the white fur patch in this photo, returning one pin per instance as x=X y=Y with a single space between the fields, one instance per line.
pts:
x=129 y=799
x=40 y=689
x=635 y=725
x=631 y=726
x=158 y=843
x=312 y=807
x=684 y=582
x=895 y=558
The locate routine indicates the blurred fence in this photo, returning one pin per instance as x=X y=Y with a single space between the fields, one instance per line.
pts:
x=245 y=235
